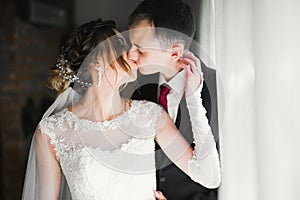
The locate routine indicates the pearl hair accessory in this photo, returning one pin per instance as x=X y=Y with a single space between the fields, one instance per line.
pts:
x=68 y=74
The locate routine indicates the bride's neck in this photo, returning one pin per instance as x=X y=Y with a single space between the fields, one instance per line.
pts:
x=101 y=104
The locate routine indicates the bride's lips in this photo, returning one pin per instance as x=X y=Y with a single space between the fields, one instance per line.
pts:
x=132 y=63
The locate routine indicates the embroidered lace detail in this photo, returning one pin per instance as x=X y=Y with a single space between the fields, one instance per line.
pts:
x=86 y=125
x=93 y=172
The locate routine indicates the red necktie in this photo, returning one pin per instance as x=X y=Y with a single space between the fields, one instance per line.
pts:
x=164 y=91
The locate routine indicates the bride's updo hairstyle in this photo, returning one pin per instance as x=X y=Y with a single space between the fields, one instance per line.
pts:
x=78 y=45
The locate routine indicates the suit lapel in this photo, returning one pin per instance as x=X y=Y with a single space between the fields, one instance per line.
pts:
x=183 y=122
x=177 y=122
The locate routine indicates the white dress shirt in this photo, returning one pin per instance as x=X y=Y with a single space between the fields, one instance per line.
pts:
x=177 y=86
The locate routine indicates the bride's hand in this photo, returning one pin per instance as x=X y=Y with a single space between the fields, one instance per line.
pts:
x=159 y=195
x=194 y=76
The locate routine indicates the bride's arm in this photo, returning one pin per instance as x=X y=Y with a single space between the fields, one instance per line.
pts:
x=201 y=163
x=205 y=171
x=48 y=167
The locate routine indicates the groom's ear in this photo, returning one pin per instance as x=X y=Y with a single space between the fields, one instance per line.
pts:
x=177 y=50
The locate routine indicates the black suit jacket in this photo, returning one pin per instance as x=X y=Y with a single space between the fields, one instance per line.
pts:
x=174 y=183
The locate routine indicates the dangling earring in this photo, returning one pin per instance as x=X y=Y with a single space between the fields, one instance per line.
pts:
x=100 y=71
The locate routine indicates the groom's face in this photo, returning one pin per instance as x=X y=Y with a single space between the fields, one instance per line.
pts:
x=147 y=51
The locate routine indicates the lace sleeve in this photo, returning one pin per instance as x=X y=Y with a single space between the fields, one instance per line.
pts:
x=43 y=175
x=44 y=179
x=204 y=167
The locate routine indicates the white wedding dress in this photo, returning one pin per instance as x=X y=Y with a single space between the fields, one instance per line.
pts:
x=107 y=160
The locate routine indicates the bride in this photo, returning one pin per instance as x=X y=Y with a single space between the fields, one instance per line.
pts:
x=94 y=144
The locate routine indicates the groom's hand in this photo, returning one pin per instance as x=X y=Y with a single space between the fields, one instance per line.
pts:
x=194 y=76
x=159 y=195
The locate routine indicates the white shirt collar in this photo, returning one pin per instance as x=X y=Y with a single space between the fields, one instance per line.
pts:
x=177 y=83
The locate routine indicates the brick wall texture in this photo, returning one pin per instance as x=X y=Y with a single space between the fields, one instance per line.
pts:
x=27 y=52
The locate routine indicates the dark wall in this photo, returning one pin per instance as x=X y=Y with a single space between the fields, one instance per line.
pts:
x=27 y=51
x=118 y=10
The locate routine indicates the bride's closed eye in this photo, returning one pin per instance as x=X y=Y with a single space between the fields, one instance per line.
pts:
x=140 y=51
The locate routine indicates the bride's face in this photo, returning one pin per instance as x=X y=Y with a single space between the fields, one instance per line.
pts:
x=132 y=74
x=124 y=76
x=118 y=68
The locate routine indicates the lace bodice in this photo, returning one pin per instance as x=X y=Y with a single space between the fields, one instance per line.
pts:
x=107 y=160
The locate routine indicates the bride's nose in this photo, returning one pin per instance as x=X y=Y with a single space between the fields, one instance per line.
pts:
x=133 y=54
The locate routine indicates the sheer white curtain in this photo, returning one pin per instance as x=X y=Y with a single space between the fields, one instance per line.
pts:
x=235 y=66
x=277 y=64
x=207 y=29
x=255 y=45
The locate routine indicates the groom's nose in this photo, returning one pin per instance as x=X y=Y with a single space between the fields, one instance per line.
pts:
x=133 y=54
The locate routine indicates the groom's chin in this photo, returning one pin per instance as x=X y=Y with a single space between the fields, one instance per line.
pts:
x=147 y=71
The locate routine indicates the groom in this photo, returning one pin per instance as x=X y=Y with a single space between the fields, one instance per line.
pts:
x=149 y=55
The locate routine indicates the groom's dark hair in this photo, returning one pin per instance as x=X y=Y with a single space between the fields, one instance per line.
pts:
x=174 y=15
